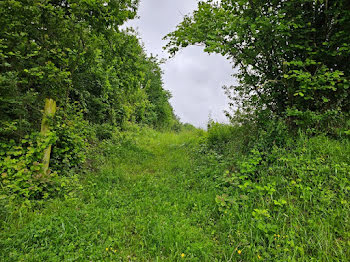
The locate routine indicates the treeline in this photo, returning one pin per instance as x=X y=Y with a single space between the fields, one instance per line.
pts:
x=73 y=54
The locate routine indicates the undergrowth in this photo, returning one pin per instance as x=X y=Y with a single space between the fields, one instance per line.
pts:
x=285 y=201
x=152 y=196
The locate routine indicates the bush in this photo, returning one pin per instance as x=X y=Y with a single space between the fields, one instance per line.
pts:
x=104 y=131
x=271 y=133
x=219 y=134
x=330 y=122
x=21 y=168
x=73 y=134
x=21 y=161
x=287 y=202
x=231 y=140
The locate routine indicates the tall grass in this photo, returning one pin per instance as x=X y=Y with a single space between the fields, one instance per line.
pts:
x=194 y=196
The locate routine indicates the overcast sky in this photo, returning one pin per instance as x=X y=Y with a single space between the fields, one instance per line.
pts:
x=193 y=77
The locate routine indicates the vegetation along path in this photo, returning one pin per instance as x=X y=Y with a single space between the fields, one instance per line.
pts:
x=144 y=204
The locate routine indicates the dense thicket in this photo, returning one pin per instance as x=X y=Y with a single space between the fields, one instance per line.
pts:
x=75 y=53
x=292 y=56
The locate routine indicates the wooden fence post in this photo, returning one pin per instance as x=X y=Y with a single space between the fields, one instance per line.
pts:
x=49 y=112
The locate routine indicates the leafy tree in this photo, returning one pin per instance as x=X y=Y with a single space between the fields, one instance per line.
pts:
x=292 y=56
x=42 y=44
x=72 y=53
x=161 y=114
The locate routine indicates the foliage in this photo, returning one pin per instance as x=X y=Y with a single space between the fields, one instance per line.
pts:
x=282 y=201
x=249 y=191
x=289 y=200
x=21 y=171
x=84 y=58
x=21 y=168
x=75 y=53
x=291 y=55
x=143 y=198
x=73 y=134
x=43 y=42
x=147 y=190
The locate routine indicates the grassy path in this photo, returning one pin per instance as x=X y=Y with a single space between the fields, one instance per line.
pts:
x=146 y=203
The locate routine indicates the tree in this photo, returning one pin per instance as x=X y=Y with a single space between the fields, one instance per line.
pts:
x=71 y=53
x=42 y=43
x=292 y=56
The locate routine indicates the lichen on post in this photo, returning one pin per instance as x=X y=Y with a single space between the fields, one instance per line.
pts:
x=49 y=112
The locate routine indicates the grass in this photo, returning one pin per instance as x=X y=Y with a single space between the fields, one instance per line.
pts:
x=166 y=197
x=145 y=203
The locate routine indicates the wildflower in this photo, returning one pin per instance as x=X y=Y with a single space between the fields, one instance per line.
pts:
x=182 y=255
x=259 y=257
x=239 y=252
x=106 y=248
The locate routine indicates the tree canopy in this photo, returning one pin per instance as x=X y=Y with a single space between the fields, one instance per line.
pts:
x=292 y=56
x=70 y=51
x=75 y=55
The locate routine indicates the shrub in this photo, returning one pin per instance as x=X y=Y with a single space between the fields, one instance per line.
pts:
x=73 y=134
x=330 y=122
x=219 y=134
x=21 y=161
x=231 y=140
x=21 y=170
x=104 y=131
x=292 y=199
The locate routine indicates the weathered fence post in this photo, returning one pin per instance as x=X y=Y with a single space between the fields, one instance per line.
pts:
x=49 y=112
